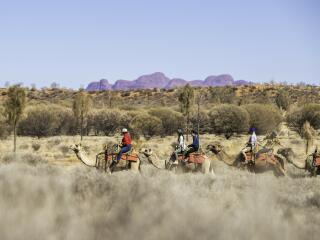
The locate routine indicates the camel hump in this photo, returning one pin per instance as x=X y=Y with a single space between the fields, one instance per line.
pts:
x=131 y=157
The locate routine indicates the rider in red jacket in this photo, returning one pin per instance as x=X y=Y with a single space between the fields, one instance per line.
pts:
x=126 y=140
x=125 y=147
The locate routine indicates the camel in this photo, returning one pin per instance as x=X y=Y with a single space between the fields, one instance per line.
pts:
x=200 y=163
x=307 y=164
x=133 y=165
x=265 y=161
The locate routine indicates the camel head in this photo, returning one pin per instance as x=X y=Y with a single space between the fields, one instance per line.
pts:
x=215 y=148
x=146 y=151
x=76 y=148
x=287 y=153
x=291 y=158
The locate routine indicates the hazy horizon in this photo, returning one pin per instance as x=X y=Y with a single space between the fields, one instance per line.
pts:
x=76 y=42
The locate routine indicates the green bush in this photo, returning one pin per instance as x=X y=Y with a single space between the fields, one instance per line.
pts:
x=171 y=120
x=108 y=121
x=309 y=112
x=146 y=125
x=222 y=94
x=263 y=117
x=5 y=129
x=39 y=122
x=67 y=124
x=228 y=119
x=204 y=121
x=43 y=121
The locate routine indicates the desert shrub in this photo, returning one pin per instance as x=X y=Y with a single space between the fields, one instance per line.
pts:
x=39 y=122
x=67 y=124
x=283 y=100
x=262 y=97
x=204 y=121
x=35 y=146
x=107 y=121
x=53 y=142
x=228 y=119
x=43 y=121
x=309 y=112
x=171 y=120
x=222 y=94
x=91 y=125
x=146 y=125
x=4 y=130
x=28 y=158
x=4 y=126
x=264 y=118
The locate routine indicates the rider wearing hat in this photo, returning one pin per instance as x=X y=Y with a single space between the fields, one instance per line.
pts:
x=251 y=144
x=125 y=146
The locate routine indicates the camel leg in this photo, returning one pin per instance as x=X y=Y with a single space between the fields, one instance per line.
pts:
x=277 y=169
x=135 y=166
x=280 y=165
x=206 y=167
x=282 y=170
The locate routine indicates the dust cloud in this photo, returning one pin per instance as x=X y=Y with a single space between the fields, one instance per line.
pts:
x=41 y=201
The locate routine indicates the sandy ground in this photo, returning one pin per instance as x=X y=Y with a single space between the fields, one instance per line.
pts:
x=49 y=194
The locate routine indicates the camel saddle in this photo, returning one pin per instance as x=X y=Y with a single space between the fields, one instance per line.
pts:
x=249 y=156
x=193 y=158
x=261 y=155
x=131 y=157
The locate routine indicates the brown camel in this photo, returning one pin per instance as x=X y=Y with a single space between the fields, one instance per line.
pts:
x=264 y=160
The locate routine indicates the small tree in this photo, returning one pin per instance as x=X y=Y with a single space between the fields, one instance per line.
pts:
x=81 y=106
x=186 y=98
x=283 y=100
x=14 y=107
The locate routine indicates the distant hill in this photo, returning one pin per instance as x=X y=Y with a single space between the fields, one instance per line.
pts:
x=160 y=80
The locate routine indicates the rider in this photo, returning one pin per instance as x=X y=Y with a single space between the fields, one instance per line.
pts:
x=181 y=145
x=125 y=147
x=251 y=144
x=315 y=155
x=194 y=146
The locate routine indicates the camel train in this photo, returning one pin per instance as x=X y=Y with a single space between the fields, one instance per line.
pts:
x=255 y=158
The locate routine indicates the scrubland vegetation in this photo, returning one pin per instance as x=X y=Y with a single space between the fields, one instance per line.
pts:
x=222 y=110
x=47 y=194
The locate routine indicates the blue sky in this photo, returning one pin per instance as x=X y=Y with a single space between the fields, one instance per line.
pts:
x=75 y=42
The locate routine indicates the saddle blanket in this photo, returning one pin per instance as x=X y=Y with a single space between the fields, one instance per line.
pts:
x=132 y=157
x=193 y=158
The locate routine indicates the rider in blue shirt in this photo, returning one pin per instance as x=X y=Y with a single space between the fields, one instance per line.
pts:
x=195 y=143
